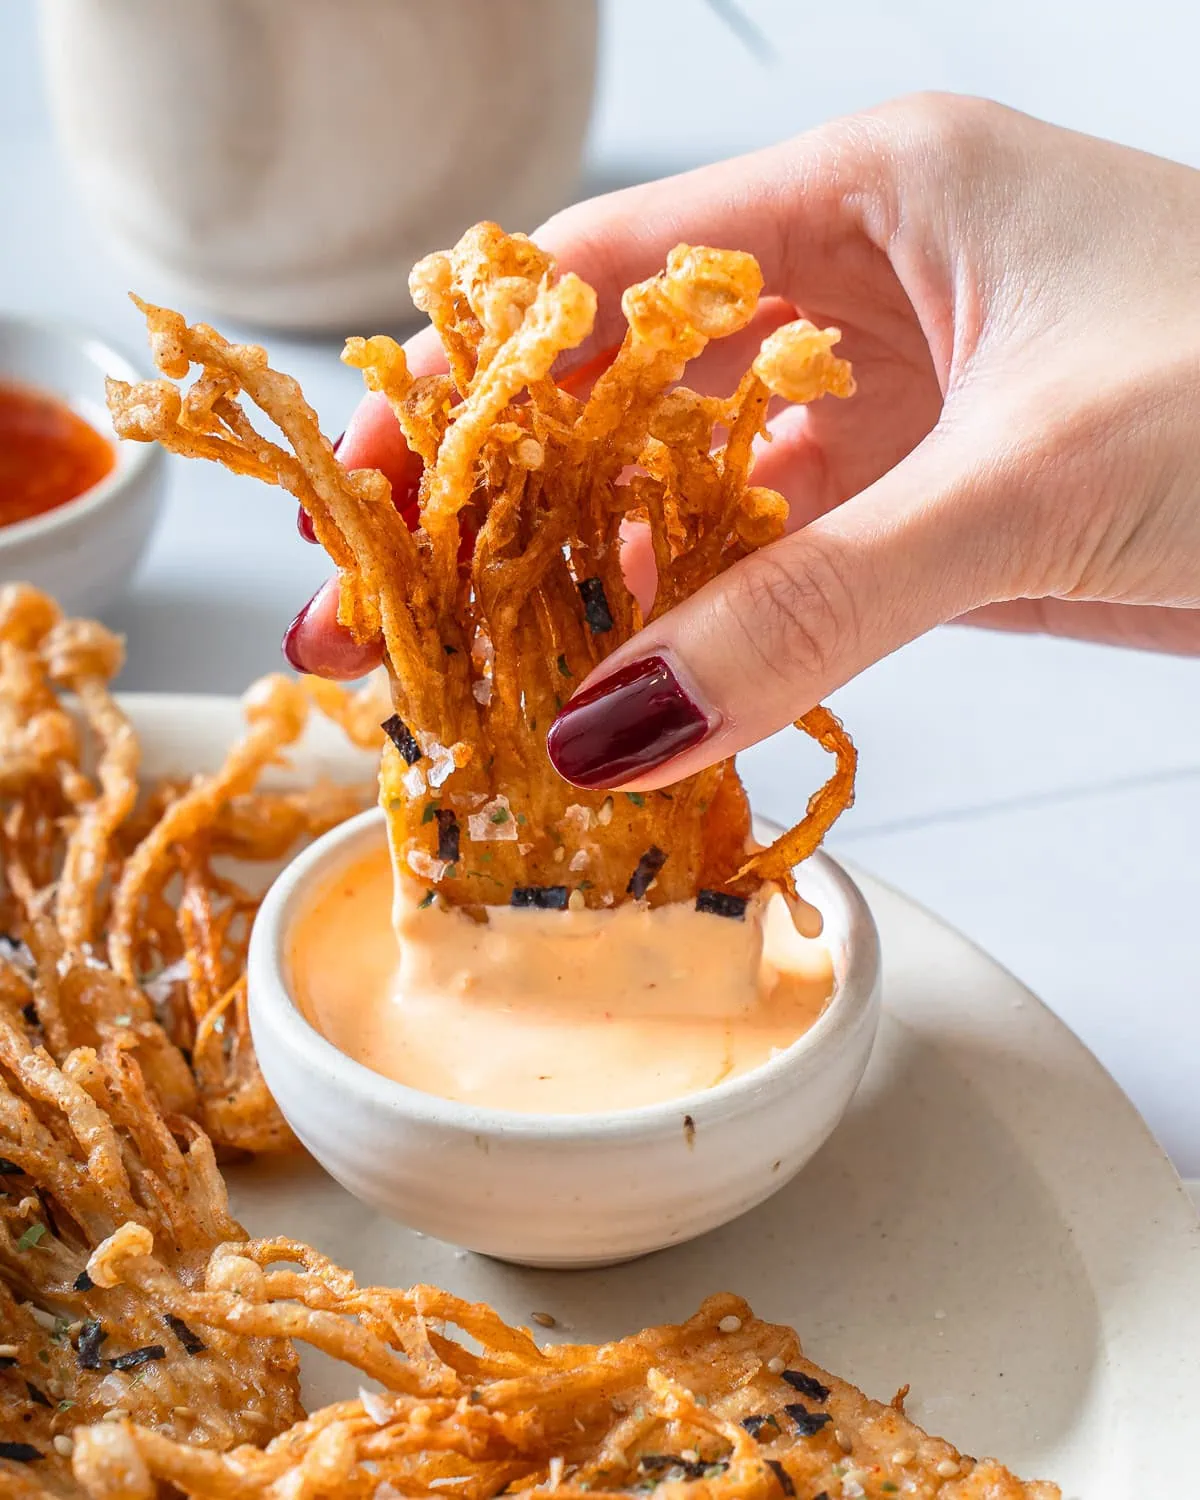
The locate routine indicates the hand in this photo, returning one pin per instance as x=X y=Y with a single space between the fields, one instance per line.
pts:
x=1019 y=306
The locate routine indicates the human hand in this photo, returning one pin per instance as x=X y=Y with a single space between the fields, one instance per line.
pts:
x=1018 y=304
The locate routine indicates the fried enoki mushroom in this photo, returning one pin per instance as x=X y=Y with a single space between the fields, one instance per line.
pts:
x=94 y=865
x=510 y=589
x=87 y=1159
x=722 y=1406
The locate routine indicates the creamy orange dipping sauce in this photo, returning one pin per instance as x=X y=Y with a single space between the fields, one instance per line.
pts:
x=550 y=1012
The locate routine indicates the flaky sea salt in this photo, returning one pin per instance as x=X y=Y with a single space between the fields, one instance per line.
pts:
x=441 y=760
x=413 y=782
x=425 y=865
x=577 y=818
x=376 y=1406
x=579 y=860
x=493 y=821
x=481 y=690
x=158 y=989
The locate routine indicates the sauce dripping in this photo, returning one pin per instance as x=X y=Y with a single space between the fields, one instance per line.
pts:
x=48 y=453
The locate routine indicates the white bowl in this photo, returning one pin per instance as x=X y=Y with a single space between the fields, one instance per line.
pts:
x=83 y=552
x=561 y=1190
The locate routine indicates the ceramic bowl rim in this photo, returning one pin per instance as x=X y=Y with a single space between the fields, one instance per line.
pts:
x=130 y=460
x=855 y=992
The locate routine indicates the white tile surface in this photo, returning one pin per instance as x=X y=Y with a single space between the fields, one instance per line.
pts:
x=1043 y=796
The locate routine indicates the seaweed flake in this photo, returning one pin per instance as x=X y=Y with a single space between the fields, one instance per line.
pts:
x=722 y=904
x=192 y=1342
x=690 y=1468
x=806 y=1385
x=7 y=1361
x=82 y=1283
x=808 y=1423
x=755 y=1423
x=647 y=868
x=36 y=1396
x=87 y=1350
x=785 y=1479
x=447 y=825
x=10 y=1168
x=30 y=1014
x=137 y=1357
x=20 y=1453
x=595 y=606
x=402 y=737
x=542 y=897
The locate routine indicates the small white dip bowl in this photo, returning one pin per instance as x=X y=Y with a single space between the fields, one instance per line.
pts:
x=83 y=552
x=561 y=1190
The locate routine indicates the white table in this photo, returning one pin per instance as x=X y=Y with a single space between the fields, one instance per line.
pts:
x=1044 y=797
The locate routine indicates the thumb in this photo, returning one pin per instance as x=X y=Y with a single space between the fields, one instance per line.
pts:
x=767 y=640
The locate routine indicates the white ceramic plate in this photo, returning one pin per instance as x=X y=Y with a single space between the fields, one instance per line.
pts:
x=991 y=1223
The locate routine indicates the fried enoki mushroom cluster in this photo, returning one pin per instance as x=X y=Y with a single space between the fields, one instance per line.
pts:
x=88 y=1158
x=149 y=1349
x=122 y=923
x=509 y=590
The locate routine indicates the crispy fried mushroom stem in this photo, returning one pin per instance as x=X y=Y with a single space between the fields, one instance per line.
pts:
x=510 y=589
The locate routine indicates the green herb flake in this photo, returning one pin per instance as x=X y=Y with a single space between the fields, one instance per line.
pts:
x=889 y=1488
x=61 y=1325
x=522 y=819
x=65 y=1405
x=500 y=815
x=44 y=1356
x=562 y=665
x=122 y=1020
x=585 y=885
x=426 y=900
x=429 y=813
x=31 y=1236
x=637 y=798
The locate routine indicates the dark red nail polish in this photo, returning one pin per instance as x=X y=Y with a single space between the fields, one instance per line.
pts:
x=337 y=442
x=291 y=648
x=304 y=525
x=625 y=726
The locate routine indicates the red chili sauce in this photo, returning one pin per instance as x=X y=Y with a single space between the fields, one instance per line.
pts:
x=48 y=454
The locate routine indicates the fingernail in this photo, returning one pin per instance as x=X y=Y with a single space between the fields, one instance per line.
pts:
x=304 y=525
x=291 y=636
x=337 y=442
x=625 y=726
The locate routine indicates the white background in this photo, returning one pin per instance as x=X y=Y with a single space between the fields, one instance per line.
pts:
x=1044 y=797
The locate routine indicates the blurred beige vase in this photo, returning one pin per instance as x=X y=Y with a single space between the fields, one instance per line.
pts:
x=286 y=161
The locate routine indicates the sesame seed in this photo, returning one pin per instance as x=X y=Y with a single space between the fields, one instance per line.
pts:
x=115 y=1414
x=776 y=1366
x=63 y=1446
x=842 y=1440
x=544 y=1320
x=730 y=1324
x=947 y=1469
x=183 y=1411
x=576 y=901
x=903 y=1457
x=10 y=1351
x=604 y=815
